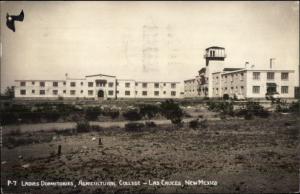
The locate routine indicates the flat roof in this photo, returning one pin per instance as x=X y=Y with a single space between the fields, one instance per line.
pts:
x=190 y=80
x=20 y=80
x=214 y=47
x=269 y=70
x=100 y=75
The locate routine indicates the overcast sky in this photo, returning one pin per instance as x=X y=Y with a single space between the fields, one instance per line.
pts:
x=116 y=38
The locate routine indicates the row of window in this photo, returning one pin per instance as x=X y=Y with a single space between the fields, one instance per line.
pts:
x=145 y=85
x=271 y=76
x=91 y=92
x=145 y=93
x=72 y=84
x=91 y=84
x=72 y=92
x=256 y=89
x=241 y=75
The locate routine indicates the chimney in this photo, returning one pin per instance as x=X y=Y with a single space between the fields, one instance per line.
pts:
x=271 y=62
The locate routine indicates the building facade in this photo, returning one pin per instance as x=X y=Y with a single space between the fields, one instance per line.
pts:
x=214 y=80
x=98 y=86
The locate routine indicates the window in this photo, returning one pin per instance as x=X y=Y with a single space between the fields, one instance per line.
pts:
x=64 y=83
x=136 y=92
x=256 y=89
x=90 y=92
x=284 y=89
x=54 y=92
x=110 y=92
x=72 y=92
x=156 y=93
x=23 y=92
x=242 y=76
x=270 y=75
x=164 y=84
x=144 y=85
x=127 y=93
x=110 y=84
x=81 y=83
x=284 y=76
x=117 y=83
x=127 y=84
x=55 y=84
x=73 y=84
x=256 y=75
x=32 y=82
x=42 y=84
x=42 y=92
x=117 y=91
x=81 y=91
x=165 y=92
x=136 y=84
x=144 y=93
x=90 y=84
x=156 y=85
x=64 y=91
x=173 y=85
x=32 y=91
x=22 y=83
x=173 y=93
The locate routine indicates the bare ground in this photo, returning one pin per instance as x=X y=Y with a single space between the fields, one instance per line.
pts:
x=260 y=155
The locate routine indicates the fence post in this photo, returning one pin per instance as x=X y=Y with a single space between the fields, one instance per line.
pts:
x=59 y=150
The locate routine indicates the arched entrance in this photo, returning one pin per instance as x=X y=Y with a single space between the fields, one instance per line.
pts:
x=100 y=94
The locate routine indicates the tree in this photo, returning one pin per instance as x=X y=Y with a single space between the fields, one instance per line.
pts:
x=9 y=92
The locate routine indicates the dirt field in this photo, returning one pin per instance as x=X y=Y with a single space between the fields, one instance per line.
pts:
x=260 y=155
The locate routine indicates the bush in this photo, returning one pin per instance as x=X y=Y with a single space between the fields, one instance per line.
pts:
x=252 y=109
x=203 y=124
x=171 y=111
x=225 y=108
x=112 y=113
x=82 y=126
x=134 y=127
x=149 y=110
x=194 y=124
x=132 y=115
x=92 y=113
x=150 y=124
x=295 y=107
x=225 y=97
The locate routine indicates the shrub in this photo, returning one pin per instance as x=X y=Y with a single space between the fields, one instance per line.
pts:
x=225 y=108
x=92 y=113
x=134 y=127
x=225 y=97
x=171 y=111
x=112 y=113
x=203 y=124
x=150 y=124
x=252 y=109
x=132 y=115
x=149 y=110
x=194 y=124
x=82 y=126
x=295 y=107
x=15 y=132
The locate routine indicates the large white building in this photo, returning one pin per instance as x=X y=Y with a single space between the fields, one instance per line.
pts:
x=96 y=87
x=214 y=80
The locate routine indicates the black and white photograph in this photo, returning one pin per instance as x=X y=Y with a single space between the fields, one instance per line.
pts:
x=149 y=97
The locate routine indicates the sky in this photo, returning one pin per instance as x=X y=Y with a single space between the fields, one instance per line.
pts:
x=163 y=41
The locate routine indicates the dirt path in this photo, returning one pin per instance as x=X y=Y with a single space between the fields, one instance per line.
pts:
x=65 y=125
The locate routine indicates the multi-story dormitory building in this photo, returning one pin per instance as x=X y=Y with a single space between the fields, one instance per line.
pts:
x=96 y=87
x=214 y=80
